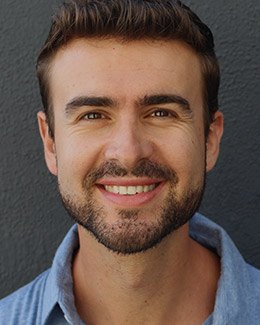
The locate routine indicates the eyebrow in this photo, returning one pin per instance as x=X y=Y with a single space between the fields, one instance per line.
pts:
x=103 y=101
x=164 y=99
x=80 y=101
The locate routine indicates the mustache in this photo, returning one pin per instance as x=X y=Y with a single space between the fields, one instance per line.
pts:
x=144 y=168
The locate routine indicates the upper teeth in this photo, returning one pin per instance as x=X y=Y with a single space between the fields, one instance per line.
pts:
x=129 y=190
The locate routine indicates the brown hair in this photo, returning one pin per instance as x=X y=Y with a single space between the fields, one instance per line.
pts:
x=131 y=20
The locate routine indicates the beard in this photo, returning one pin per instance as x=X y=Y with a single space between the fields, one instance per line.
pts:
x=129 y=234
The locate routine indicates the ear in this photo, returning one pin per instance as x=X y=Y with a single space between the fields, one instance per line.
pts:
x=213 y=140
x=48 y=143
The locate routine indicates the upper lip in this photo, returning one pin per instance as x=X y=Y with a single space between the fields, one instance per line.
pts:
x=128 y=182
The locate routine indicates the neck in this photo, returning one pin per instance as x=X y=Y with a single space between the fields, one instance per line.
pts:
x=174 y=282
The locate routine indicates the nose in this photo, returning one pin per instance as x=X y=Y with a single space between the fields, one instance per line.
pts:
x=129 y=144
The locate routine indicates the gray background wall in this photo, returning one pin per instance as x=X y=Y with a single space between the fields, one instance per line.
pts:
x=32 y=221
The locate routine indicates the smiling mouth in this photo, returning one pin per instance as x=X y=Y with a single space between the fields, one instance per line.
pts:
x=130 y=190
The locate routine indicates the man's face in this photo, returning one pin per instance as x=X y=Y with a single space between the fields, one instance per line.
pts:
x=129 y=148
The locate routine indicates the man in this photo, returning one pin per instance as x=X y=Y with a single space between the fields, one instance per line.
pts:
x=130 y=127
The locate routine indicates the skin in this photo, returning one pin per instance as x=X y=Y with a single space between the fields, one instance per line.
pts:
x=176 y=281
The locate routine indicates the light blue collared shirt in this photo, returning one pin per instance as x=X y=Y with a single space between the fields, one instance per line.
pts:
x=49 y=300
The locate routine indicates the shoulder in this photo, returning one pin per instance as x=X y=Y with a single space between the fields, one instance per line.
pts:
x=254 y=278
x=253 y=296
x=24 y=305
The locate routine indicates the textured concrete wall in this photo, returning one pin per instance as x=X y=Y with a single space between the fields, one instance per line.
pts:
x=32 y=221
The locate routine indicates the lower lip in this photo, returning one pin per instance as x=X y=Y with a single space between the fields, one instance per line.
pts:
x=131 y=201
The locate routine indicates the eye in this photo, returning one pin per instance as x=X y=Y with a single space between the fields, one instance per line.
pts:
x=163 y=113
x=93 y=116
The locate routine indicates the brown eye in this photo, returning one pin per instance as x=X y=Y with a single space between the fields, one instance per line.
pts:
x=93 y=116
x=163 y=113
x=160 y=113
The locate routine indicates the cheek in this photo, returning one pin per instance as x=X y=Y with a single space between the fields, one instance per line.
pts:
x=76 y=156
x=195 y=163
x=186 y=155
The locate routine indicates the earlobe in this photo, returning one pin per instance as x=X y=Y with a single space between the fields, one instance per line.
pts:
x=214 y=139
x=48 y=143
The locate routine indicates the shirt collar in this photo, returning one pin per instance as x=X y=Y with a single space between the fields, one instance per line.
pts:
x=234 y=286
x=233 y=293
x=59 y=286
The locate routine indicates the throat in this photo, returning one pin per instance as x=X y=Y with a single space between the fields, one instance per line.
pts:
x=156 y=287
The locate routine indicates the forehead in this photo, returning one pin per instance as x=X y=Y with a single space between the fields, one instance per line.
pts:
x=126 y=70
